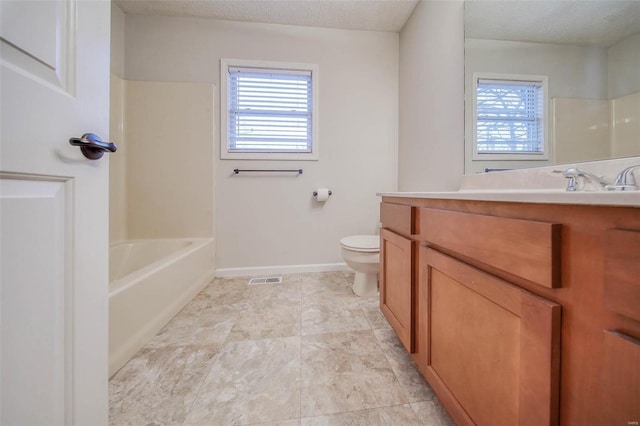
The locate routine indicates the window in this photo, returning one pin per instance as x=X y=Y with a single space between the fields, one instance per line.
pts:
x=510 y=117
x=269 y=110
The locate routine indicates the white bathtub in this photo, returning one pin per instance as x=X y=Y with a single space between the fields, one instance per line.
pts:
x=149 y=282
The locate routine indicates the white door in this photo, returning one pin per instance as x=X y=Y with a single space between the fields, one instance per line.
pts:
x=54 y=85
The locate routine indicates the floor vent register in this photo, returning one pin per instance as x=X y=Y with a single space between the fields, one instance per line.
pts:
x=268 y=280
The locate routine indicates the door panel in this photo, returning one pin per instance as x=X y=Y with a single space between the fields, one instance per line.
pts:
x=45 y=51
x=33 y=246
x=54 y=212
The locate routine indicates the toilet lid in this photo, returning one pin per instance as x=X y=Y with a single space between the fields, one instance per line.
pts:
x=363 y=243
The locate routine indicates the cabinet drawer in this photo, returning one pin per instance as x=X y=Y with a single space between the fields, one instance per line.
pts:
x=520 y=248
x=398 y=217
x=622 y=272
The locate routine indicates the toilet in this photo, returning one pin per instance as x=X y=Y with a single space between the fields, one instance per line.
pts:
x=362 y=254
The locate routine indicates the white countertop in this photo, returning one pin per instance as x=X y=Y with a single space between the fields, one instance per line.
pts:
x=541 y=196
x=542 y=185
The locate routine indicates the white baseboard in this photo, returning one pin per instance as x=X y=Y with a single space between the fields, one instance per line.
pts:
x=285 y=269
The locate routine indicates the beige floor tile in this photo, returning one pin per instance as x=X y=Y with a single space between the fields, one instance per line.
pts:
x=413 y=384
x=202 y=312
x=231 y=293
x=266 y=322
x=371 y=308
x=251 y=382
x=273 y=295
x=346 y=372
x=294 y=422
x=328 y=317
x=397 y=415
x=432 y=413
x=348 y=368
x=328 y=287
x=215 y=335
x=158 y=386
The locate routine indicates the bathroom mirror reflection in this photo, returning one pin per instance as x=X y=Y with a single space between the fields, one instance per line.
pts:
x=590 y=53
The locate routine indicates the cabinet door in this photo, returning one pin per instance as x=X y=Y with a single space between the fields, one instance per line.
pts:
x=620 y=380
x=396 y=284
x=492 y=348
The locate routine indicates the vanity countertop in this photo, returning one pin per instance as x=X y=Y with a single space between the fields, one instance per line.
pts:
x=542 y=185
x=540 y=196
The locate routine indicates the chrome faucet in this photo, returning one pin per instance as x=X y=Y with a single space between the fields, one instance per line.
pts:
x=576 y=184
x=625 y=181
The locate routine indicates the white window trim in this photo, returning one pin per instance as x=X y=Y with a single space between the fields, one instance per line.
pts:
x=224 y=110
x=543 y=156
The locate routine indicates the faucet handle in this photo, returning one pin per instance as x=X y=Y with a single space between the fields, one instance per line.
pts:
x=576 y=184
x=573 y=175
x=625 y=181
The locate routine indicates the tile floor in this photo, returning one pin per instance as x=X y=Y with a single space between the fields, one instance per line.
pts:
x=304 y=352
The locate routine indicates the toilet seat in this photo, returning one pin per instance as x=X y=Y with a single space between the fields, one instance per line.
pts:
x=361 y=243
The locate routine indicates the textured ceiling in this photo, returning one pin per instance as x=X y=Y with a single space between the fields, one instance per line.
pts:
x=583 y=22
x=586 y=22
x=371 y=15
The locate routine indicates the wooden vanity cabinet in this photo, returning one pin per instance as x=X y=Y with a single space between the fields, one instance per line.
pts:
x=521 y=314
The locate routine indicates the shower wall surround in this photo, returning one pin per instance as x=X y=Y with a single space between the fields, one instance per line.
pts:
x=117 y=163
x=162 y=179
x=592 y=129
x=169 y=134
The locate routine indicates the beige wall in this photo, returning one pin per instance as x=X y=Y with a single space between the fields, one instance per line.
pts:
x=431 y=130
x=117 y=41
x=573 y=71
x=273 y=220
x=169 y=134
x=624 y=63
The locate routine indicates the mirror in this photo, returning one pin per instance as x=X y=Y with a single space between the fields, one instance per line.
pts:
x=590 y=53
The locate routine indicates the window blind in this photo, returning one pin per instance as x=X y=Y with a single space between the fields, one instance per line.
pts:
x=269 y=110
x=509 y=116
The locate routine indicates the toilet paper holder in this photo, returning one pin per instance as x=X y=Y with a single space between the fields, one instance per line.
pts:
x=315 y=193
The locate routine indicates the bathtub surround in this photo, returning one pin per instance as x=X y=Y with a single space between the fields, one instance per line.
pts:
x=150 y=281
x=590 y=129
x=304 y=352
x=274 y=221
x=161 y=186
x=162 y=179
x=169 y=134
x=117 y=163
